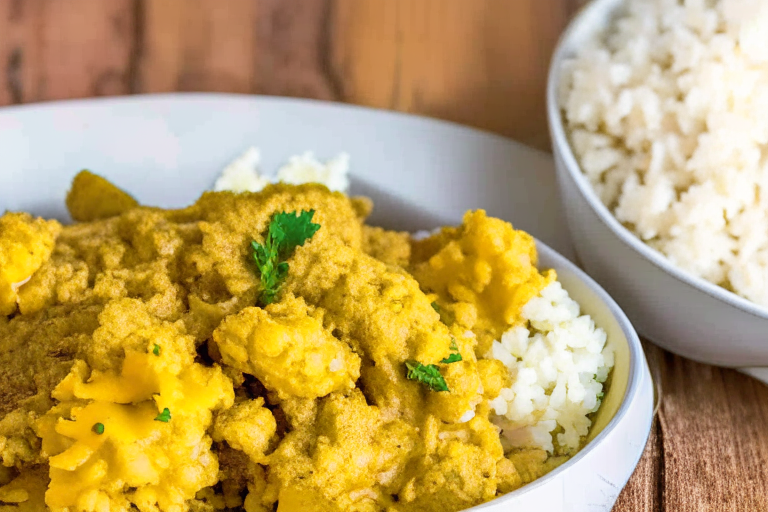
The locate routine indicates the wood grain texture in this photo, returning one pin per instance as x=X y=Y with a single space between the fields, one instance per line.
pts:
x=482 y=63
x=264 y=46
x=479 y=62
x=715 y=444
x=52 y=49
x=708 y=449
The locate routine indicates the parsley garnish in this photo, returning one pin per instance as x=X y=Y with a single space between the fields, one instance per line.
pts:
x=98 y=428
x=428 y=374
x=446 y=316
x=156 y=349
x=286 y=232
x=455 y=357
x=164 y=416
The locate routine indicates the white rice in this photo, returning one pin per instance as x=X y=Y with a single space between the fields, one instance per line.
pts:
x=243 y=174
x=424 y=234
x=557 y=366
x=668 y=115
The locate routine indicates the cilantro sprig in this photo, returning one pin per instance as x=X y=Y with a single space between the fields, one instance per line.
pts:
x=455 y=356
x=428 y=374
x=164 y=416
x=286 y=232
x=446 y=315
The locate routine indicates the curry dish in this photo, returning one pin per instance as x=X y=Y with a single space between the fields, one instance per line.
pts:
x=197 y=359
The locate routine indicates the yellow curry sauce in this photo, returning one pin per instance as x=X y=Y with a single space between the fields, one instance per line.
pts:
x=137 y=370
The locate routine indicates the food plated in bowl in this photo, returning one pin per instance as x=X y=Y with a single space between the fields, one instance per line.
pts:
x=655 y=112
x=441 y=379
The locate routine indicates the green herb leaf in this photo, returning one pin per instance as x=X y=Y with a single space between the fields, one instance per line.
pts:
x=98 y=428
x=293 y=229
x=164 y=416
x=156 y=349
x=446 y=316
x=455 y=357
x=428 y=374
x=286 y=232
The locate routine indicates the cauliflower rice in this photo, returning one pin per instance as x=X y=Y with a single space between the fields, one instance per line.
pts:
x=668 y=116
x=243 y=173
x=557 y=364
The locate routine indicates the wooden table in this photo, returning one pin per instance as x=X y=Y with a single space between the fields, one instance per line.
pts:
x=479 y=62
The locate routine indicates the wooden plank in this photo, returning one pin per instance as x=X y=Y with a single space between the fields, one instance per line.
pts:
x=264 y=46
x=482 y=63
x=714 y=441
x=294 y=48
x=197 y=45
x=54 y=49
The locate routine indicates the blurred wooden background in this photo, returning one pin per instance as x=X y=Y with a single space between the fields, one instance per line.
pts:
x=478 y=62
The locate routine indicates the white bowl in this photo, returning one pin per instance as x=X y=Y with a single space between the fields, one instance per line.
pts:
x=167 y=149
x=678 y=311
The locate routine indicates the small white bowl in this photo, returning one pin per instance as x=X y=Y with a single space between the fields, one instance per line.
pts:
x=678 y=311
x=167 y=149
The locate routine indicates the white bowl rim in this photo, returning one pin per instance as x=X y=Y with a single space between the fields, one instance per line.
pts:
x=559 y=139
x=636 y=353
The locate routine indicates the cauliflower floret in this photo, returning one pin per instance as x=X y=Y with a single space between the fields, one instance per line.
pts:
x=248 y=426
x=25 y=244
x=288 y=350
x=135 y=436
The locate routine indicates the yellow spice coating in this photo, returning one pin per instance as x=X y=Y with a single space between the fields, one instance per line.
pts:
x=89 y=470
x=484 y=270
x=304 y=405
x=289 y=351
x=249 y=427
x=25 y=244
x=92 y=197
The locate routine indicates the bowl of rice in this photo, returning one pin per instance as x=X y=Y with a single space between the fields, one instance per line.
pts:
x=658 y=111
